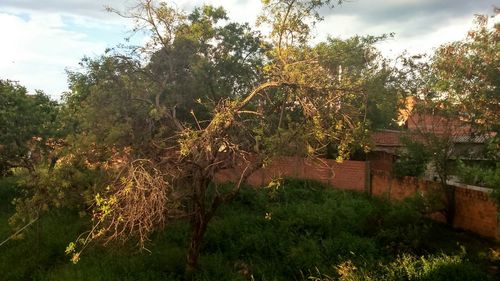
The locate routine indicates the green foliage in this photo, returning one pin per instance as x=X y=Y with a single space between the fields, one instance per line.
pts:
x=311 y=229
x=41 y=243
x=189 y=89
x=100 y=100
x=303 y=225
x=358 y=65
x=481 y=175
x=467 y=71
x=26 y=123
x=438 y=267
x=118 y=101
x=412 y=161
x=293 y=18
x=211 y=90
x=456 y=96
x=67 y=185
x=433 y=268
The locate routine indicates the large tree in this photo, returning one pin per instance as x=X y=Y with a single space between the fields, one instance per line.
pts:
x=208 y=97
x=357 y=63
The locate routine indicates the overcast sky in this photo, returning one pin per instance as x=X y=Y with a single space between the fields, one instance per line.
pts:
x=40 y=39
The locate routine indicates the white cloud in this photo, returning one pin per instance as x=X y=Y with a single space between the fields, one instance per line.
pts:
x=42 y=38
x=424 y=25
x=84 y=8
x=37 y=50
x=39 y=47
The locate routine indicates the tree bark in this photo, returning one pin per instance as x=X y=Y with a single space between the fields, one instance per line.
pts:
x=450 y=204
x=199 y=226
x=203 y=215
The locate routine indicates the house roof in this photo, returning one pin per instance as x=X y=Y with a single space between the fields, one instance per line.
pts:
x=473 y=139
x=390 y=140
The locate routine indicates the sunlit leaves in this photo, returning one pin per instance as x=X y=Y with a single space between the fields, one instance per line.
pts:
x=467 y=74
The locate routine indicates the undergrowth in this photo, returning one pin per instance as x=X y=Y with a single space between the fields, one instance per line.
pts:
x=298 y=231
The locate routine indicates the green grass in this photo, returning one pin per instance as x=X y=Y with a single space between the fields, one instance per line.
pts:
x=309 y=231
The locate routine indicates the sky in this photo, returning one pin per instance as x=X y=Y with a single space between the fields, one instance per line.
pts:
x=43 y=39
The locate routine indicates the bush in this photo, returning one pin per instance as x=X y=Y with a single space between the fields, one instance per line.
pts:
x=412 y=160
x=440 y=267
x=70 y=185
x=481 y=176
x=432 y=268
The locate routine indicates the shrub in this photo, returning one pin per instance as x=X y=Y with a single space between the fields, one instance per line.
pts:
x=407 y=267
x=65 y=186
x=481 y=176
x=412 y=160
x=432 y=268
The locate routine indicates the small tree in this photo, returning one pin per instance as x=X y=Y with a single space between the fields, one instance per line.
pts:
x=455 y=96
x=467 y=71
x=436 y=128
x=357 y=63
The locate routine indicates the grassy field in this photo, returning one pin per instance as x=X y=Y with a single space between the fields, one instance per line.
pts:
x=302 y=231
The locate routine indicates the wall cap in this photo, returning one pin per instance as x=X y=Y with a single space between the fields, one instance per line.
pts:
x=470 y=187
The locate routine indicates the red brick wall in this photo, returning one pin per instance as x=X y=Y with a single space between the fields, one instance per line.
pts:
x=475 y=211
x=350 y=175
x=383 y=184
x=381 y=161
x=387 y=138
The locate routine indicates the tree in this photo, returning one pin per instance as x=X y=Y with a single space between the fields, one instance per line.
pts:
x=438 y=127
x=291 y=101
x=455 y=95
x=466 y=78
x=356 y=62
x=467 y=72
x=434 y=123
x=30 y=140
x=27 y=124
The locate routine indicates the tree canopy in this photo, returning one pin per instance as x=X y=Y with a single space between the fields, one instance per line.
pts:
x=454 y=98
x=466 y=73
x=201 y=97
x=27 y=123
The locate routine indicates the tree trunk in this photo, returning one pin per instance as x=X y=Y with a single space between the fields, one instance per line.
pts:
x=53 y=162
x=450 y=204
x=199 y=226
x=202 y=215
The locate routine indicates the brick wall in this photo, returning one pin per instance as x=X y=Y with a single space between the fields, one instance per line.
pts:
x=384 y=185
x=350 y=175
x=475 y=211
x=381 y=160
